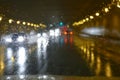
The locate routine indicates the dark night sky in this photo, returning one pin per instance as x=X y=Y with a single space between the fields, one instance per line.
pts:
x=44 y=10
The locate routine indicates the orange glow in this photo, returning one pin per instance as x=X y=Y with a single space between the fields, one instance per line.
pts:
x=71 y=33
x=66 y=40
x=71 y=40
x=65 y=33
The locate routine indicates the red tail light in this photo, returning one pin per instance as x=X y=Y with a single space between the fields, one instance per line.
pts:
x=65 y=33
x=71 y=33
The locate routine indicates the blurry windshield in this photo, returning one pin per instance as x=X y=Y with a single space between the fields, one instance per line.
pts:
x=59 y=39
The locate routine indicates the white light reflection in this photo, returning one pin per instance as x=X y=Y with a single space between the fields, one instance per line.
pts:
x=38 y=35
x=57 y=32
x=44 y=34
x=20 y=38
x=9 y=53
x=52 y=33
x=8 y=78
x=84 y=35
x=21 y=60
x=94 y=31
x=21 y=76
x=39 y=77
x=52 y=78
x=8 y=40
x=21 y=55
x=42 y=43
x=44 y=77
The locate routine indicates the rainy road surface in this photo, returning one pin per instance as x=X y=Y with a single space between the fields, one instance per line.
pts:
x=64 y=56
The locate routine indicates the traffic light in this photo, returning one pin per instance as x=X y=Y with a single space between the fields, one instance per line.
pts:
x=61 y=24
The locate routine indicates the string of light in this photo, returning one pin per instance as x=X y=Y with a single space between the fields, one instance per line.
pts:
x=18 y=22
x=105 y=10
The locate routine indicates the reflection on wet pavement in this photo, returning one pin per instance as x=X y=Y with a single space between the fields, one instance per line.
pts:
x=95 y=53
x=59 y=56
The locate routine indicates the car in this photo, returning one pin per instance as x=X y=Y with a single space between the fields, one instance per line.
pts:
x=67 y=32
x=15 y=38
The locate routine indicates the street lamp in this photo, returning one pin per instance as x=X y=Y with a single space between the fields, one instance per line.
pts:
x=118 y=4
x=37 y=26
x=97 y=14
x=10 y=21
x=0 y=18
x=24 y=23
x=87 y=19
x=28 y=24
x=34 y=25
x=31 y=24
x=18 y=22
x=106 y=10
x=91 y=17
x=84 y=20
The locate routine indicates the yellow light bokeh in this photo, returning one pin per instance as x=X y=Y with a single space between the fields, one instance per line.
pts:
x=10 y=21
x=106 y=10
x=118 y=4
x=37 y=26
x=43 y=25
x=18 y=22
x=24 y=23
x=87 y=19
x=28 y=24
x=31 y=24
x=34 y=25
x=0 y=18
x=91 y=17
x=97 y=14
x=84 y=20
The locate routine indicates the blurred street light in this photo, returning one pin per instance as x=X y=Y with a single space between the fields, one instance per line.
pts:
x=18 y=22
x=87 y=19
x=31 y=24
x=28 y=24
x=0 y=18
x=84 y=20
x=91 y=17
x=10 y=21
x=37 y=26
x=106 y=10
x=42 y=25
x=118 y=4
x=97 y=14
x=34 y=25
x=24 y=23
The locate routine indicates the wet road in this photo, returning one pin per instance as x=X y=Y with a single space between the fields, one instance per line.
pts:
x=64 y=55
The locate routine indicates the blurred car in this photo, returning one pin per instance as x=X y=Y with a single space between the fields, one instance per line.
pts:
x=19 y=37
x=68 y=32
x=15 y=38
